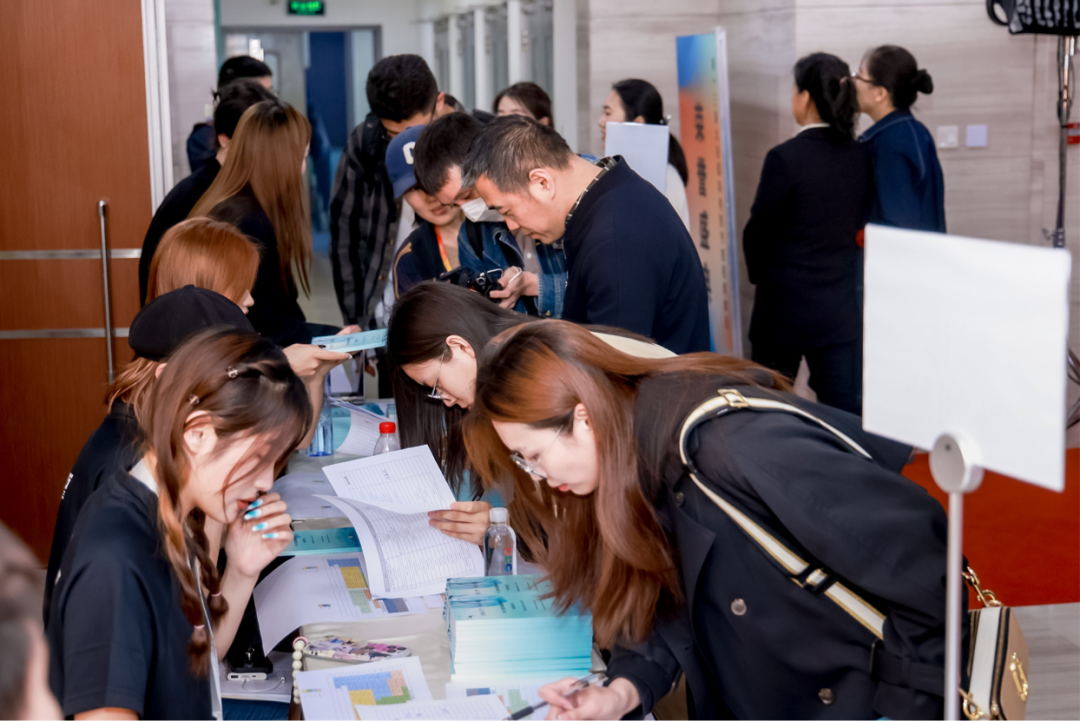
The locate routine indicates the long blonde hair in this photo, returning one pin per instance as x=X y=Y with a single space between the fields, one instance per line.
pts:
x=265 y=155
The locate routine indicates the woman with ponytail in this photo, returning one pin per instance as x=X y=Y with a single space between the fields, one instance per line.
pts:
x=909 y=188
x=800 y=242
x=141 y=614
x=638 y=101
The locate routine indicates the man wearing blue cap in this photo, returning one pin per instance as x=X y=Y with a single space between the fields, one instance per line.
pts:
x=444 y=239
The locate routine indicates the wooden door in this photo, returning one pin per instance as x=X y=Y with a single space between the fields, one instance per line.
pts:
x=74 y=120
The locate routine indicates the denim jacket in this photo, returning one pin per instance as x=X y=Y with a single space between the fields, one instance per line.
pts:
x=501 y=251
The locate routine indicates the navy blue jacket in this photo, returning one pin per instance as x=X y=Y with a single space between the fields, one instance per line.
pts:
x=909 y=189
x=631 y=264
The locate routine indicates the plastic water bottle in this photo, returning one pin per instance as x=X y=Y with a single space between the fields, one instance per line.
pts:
x=388 y=441
x=322 y=443
x=500 y=545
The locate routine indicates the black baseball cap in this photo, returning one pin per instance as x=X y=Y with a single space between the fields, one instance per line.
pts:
x=168 y=320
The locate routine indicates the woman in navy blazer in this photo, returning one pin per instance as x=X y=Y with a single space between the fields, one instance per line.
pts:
x=909 y=190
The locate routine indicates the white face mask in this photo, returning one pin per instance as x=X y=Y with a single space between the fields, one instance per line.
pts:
x=477 y=211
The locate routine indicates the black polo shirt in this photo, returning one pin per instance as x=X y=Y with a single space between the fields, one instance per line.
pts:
x=117 y=636
x=112 y=446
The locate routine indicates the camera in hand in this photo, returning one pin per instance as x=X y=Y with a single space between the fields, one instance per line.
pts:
x=483 y=282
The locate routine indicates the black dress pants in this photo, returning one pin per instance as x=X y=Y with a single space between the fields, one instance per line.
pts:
x=835 y=370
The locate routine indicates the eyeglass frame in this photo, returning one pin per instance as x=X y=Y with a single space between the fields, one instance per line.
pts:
x=855 y=76
x=532 y=468
x=435 y=395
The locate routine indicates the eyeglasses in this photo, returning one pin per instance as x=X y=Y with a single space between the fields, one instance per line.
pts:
x=435 y=395
x=532 y=468
x=855 y=76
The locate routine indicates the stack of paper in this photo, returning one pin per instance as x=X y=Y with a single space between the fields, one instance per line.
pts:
x=503 y=628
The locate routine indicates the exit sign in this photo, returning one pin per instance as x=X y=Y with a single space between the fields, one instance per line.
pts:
x=307 y=7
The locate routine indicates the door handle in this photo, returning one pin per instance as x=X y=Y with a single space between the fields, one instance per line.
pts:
x=105 y=285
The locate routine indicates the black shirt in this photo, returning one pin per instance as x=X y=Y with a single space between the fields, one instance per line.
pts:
x=276 y=313
x=117 y=635
x=631 y=264
x=176 y=207
x=800 y=245
x=112 y=446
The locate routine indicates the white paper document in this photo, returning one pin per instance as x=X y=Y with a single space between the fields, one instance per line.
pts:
x=363 y=432
x=405 y=555
x=329 y=588
x=643 y=147
x=335 y=693
x=387 y=499
x=968 y=337
x=408 y=478
x=476 y=708
x=513 y=695
x=300 y=490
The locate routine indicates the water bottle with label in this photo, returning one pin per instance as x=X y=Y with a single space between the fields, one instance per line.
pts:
x=388 y=441
x=500 y=545
x=322 y=443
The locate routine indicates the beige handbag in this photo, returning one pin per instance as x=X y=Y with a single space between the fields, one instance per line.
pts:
x=998 y=656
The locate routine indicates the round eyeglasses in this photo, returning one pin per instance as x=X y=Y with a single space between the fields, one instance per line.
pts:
x=532 y=468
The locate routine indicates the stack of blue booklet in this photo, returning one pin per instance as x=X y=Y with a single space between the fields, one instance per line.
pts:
x=502 y=627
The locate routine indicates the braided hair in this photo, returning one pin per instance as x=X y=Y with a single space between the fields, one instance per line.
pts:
x=239 y=385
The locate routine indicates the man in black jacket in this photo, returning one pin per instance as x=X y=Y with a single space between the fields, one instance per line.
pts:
x=630 y=261
x=232 y=101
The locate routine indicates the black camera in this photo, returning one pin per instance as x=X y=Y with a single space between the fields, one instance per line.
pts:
x=483 y=282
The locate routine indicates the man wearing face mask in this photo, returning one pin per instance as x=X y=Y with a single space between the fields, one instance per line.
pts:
x=534 y=274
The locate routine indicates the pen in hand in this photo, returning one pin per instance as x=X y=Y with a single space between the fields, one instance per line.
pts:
x=581 y=684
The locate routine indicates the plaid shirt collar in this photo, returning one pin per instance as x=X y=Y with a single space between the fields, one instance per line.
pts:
x=605 y=164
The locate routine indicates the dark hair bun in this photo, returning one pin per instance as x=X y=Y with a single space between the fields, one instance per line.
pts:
x=923 y=82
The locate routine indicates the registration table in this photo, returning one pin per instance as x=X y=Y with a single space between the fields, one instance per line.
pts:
x=423 y=633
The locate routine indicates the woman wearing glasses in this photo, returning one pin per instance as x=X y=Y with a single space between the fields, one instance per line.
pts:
x=666 y=561
x=435 y=333
x=909 y=188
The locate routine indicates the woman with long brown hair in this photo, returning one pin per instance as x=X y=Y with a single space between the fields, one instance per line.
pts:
x=141 y=613
x=260 y=191
x=628 y=490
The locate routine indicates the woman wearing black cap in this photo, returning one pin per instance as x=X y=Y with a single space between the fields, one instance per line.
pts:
x=156 y=331
x=909 y=188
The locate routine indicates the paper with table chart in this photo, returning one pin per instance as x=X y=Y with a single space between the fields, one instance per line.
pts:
x=301 y=492
x=476 y=708
x=335 y=693
x=406 y=556
x=513 y=696
x=387 y=499
x=321 y=589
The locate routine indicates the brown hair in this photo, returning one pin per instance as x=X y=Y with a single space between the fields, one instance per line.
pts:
x=265 y=155
x=133 y=384
x=244 y=387
x=608 y=549
x=207 y=254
